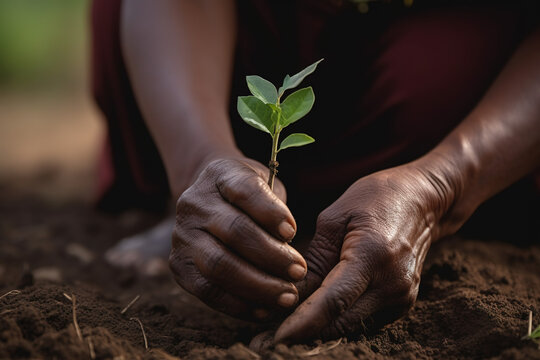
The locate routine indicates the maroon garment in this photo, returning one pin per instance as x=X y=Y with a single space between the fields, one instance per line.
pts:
x=131 y=171
x=393 y=84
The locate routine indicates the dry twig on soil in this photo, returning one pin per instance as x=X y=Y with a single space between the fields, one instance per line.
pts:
x=322 y=348
x=530 y=324
x=75 y=323
x=533 y=335
x=130 y=304
x=142 y=329
x=91 y=348
x=252 y=353
x=12 y=292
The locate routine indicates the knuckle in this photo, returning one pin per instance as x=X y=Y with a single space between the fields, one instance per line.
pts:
x=217 y=175
x=205 y=290
x=215 y=168
x=180 y=237
x=216 y=265
x=236 y=230
x=240 y=188
x=238 y=226
x=177 y=237
x=181 y=202
x=181 y=265
x=187 y=202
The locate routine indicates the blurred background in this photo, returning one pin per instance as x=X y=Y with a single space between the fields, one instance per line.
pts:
x=50 y=130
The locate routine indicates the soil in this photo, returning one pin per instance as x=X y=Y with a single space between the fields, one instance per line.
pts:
x=474 y=299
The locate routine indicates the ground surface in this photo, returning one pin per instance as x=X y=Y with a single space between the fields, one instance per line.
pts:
x=474 y=299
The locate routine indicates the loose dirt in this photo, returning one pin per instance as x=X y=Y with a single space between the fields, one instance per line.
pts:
x=474 y=298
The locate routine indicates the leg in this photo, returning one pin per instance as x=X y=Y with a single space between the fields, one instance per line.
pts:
x=132 y=174
x=131 y=171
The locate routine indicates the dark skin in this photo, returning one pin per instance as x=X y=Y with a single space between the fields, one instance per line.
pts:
x=370 y=244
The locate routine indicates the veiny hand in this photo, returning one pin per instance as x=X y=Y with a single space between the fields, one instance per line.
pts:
x=367 y=254
x=230 y=241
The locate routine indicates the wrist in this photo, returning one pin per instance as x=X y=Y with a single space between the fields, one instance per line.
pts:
x=451 y=169
x=188 y=139
x=185 y=171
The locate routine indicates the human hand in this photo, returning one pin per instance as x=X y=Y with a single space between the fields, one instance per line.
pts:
x=230 y=241
x=367 y=254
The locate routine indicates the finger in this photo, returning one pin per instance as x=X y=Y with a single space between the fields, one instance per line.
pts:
x=338 y=292
x=246 y=238
x=263 y=171
x=190 y=279
x=236 y=276
x=355 y=318
x=375 y=308
x=250 y=192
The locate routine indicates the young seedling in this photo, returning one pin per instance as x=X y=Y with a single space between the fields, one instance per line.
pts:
x=533 y=335
x=265 y=111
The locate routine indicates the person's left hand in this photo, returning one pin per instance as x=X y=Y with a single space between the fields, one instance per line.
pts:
x=368 y=250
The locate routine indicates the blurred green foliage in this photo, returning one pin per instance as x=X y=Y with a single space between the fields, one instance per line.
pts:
x=43 y=43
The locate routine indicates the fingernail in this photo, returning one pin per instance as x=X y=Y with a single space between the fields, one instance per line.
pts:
x=287 y=299
x=296 y=271
x=286 y=230
x=260 y=313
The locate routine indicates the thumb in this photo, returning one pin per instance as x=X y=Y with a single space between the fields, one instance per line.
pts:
x=279 y=190
x=263 y=171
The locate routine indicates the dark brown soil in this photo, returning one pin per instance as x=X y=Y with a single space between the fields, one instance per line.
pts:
x=474 y=299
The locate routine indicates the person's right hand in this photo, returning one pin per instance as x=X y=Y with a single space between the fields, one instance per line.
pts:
x=230 y=241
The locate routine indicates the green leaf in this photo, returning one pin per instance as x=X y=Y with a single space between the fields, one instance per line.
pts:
x=274 y=107
x=297 y=105
x=295 y=140
x=293 y=81
x=263 y=89
x=255 y=113
x=536 y=333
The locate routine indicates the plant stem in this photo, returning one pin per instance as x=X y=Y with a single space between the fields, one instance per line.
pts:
x=273 y=164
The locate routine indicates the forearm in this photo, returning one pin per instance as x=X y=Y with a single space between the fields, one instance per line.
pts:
x=498 y=143
x=179 y=57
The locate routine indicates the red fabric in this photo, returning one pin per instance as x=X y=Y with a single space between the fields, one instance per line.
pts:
x=131 y=172
x=391 y=86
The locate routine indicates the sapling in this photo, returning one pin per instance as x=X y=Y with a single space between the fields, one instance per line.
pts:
x=265 y=111
x=533 y=335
